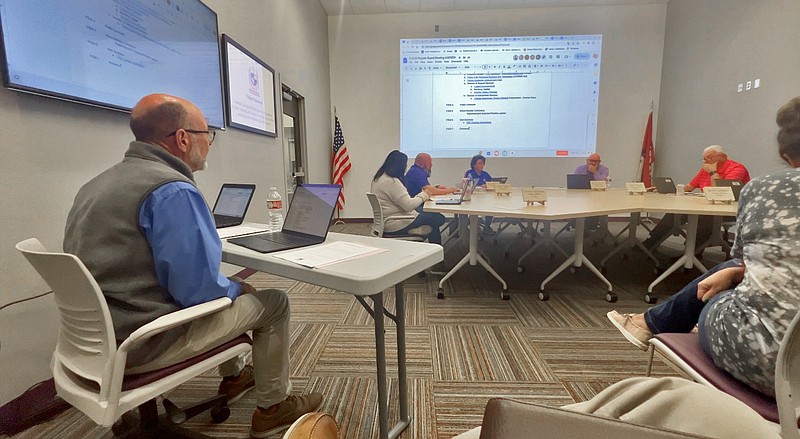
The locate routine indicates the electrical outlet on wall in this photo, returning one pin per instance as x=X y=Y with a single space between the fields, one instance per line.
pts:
x=757 y=83
x=741 y=87
x=749 y=85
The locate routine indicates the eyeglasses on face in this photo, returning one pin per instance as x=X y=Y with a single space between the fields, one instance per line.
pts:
x=210 y=134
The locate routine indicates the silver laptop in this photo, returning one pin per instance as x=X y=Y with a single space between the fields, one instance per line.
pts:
x=232 y=203
x=307 y=221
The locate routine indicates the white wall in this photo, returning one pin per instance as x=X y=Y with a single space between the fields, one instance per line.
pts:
x=50 y=148
x=711 y=46
x=364 y=54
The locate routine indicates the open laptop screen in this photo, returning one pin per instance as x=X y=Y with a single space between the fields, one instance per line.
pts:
x=311 y=209
x=233 y=200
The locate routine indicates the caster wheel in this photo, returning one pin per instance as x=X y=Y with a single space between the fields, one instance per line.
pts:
x=220 y=414
x=543 y=296
x=440 y=293
x=657 y=271
x=611 y=297
x=603 y=270
x=504 y=295
x=520 y=269
x=650 y=299
x=572 y=270
x=552 y=255
x=421 y=274
x=507 y=255
x=685 y=270
x=624 y=256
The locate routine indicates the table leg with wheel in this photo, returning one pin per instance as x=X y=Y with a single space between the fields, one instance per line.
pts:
x=686 y=261
x=576 y=260
x=473 y=258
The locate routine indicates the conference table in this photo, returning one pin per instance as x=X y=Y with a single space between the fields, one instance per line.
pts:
x=577 y=205
x=401 y=260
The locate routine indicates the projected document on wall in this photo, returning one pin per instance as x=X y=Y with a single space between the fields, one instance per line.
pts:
x=533 y=96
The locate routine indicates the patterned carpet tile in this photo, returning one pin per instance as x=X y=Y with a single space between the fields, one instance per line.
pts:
x=351 y=350
x=486 y=353
x=558 y=312
x=458 y=310
x=307 y=342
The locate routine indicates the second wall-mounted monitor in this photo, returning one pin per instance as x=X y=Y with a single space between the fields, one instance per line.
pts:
x=250 y=90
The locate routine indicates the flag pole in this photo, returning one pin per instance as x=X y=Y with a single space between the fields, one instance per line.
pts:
x=338 y=220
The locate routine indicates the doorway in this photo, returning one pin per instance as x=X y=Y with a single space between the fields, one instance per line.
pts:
x=294 y=139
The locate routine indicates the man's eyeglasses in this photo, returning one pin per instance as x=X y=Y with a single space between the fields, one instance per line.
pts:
x=210 y=134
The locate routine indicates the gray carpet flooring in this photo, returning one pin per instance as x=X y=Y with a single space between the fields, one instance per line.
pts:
x=462 y=350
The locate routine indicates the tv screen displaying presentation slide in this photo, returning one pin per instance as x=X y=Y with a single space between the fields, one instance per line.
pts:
x=529 y=96
x=111 y=53
x=250 y=90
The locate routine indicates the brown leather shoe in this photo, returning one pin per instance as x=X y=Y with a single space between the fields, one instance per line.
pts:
x=288 y=411
x=314 y=425
x=234 y=388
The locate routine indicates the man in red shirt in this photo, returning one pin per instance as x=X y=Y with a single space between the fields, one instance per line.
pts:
x=716 y=166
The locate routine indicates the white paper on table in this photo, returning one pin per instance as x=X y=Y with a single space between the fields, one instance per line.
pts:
x=230 y=232
x=328 y=254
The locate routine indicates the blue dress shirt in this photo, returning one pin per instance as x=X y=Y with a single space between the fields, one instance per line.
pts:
x=600 y=174
x=186 y=248
x=416 y=179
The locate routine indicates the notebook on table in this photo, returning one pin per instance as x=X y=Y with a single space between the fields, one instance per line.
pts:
x=579 y=181
x=307 y=221
x=735 y=185
x=664 y=185
x=232 y=203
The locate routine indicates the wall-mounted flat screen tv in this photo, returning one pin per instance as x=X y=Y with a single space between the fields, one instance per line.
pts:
x=110 y=53
x=250 y=90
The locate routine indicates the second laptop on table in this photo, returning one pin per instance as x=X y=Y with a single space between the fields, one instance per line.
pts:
x=307 y=220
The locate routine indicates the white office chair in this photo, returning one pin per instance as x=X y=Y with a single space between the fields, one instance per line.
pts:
x=88 y=366
x=379 y=222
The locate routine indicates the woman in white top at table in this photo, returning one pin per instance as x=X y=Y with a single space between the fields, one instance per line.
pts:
x=389 y=187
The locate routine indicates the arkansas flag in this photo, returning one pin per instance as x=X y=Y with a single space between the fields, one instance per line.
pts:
x=341 y=161
x=648 y=153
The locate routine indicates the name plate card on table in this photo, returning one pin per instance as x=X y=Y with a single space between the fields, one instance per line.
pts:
x=502 y=189
x=723 y=194
x=598 y=185
x=491 y=185
x=531 y=196
x=635 y=188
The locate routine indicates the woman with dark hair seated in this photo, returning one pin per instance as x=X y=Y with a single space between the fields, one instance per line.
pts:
x=743 y=307
x=389 y=187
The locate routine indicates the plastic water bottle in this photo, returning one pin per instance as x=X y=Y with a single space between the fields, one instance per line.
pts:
x=275 y=210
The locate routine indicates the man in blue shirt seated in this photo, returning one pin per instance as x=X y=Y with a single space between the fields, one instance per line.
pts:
x=417 y=178
x=593 y=168
x=146 y=234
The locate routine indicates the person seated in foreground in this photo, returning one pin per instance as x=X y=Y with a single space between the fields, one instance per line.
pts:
x=716 y=165
x=389 y=187
x=743 y=307
x=598 y=172
x=476 y=172
x=146 y=234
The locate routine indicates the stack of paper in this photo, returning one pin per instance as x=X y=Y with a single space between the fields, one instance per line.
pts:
x=328 y=254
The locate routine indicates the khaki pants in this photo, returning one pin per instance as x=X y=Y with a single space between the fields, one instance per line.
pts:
x=266 y=313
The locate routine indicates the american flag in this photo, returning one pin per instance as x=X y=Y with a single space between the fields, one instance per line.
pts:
x=341 y=161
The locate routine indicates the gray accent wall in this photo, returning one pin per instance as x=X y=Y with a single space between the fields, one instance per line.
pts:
x=710 y=47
